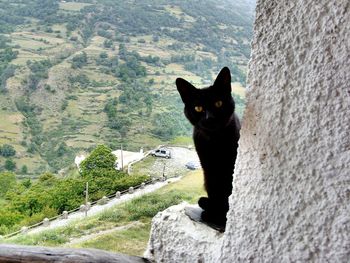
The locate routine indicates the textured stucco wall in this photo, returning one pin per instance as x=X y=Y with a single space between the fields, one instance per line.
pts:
x=291 y=189
x=291 y=192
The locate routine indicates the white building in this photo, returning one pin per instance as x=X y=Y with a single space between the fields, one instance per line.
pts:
x=124 y=158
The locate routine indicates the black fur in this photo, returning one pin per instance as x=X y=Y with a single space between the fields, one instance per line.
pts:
x=215 y=135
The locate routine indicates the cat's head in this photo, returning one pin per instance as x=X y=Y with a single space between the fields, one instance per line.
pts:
x=210 y=108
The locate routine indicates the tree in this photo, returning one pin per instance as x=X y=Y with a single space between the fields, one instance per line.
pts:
x=100 y=158
x=10 y=165
x=7 y=181
x=110 y=108
x=8 y=218
x=62 y=149
x=33 y=81
x=24 y=169
x=7 y=73
x=68 y=194
x=103 y=55
x=47 y=179
x=79 y=60
x=81 y=79
x=7 y=150
x=108 y=43
x=27 y=183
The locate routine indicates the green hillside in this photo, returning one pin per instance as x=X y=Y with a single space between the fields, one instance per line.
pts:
x=78 y=74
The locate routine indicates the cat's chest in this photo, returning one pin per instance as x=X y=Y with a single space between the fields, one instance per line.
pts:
x=214 y=149
x=214 y=141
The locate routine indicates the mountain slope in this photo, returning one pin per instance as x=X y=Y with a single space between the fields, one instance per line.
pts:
x=77 y=74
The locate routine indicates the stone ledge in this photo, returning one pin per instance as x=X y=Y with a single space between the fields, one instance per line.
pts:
x=176 y=238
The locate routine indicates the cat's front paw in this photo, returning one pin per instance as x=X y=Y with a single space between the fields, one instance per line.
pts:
x=215 y=221
x=203 y=203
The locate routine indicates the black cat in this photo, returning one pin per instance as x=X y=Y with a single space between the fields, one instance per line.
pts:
x=215 y=135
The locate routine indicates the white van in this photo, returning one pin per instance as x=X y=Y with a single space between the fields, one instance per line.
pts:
x=162 y=152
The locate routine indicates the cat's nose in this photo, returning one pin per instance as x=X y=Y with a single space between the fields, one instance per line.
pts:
x=209 y=115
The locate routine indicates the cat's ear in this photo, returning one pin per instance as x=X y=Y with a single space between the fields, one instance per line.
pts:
x=223 y=80
x=185 y=89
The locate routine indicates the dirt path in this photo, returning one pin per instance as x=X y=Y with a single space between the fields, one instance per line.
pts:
x=87 y=237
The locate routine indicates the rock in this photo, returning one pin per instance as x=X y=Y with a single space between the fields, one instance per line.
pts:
x=46 y=222
x=176 y=238
x=64 y=215
x=82 y=208
x=104 y=200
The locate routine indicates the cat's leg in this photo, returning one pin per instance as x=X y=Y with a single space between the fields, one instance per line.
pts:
x=215 y=210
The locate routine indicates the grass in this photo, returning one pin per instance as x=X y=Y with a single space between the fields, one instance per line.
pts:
x=73 y=6
x=25 y=55
x=143 y=167
x=47 y=238
x=30 y=44
x=182 y=141
x=145 y=140
x=133 y=240
x=10 y=131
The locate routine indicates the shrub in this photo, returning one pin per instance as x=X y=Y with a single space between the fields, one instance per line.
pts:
x=8 y=219
x=7 y=150
x=150 y=205
x=46 y=212
x=130 y=180
x=79 y=61
x=100 y=158
x=10 y=165
x=7 y=181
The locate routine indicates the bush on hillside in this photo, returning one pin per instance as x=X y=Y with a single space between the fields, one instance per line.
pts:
x=7 y=150
x=7 y=181
x=100 y=160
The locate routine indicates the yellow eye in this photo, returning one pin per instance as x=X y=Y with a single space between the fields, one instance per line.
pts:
x=198 y=108
x=218 y=104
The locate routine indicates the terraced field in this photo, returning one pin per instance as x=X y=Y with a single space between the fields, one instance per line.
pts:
x=133 y=54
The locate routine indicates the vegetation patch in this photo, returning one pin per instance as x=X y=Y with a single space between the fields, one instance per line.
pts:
x=73 y=6
x=30 y=202
x=133 y=240
x=130 y=52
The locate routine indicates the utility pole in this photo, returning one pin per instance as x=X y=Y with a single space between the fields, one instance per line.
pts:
x=121 y=155
x=163 y=170
x=86 y=198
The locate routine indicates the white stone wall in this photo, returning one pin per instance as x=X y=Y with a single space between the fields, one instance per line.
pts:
x=291 y=190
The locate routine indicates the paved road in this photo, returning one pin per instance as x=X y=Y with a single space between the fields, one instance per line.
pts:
x=77 y=216
x=174 y=166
